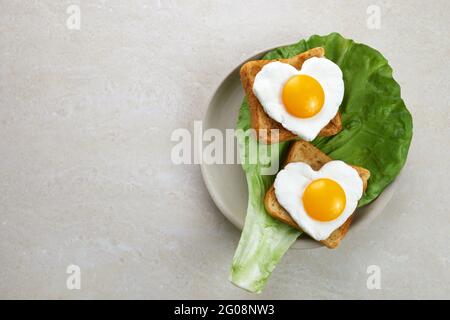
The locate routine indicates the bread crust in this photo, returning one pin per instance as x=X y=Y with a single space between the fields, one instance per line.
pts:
x=302 y=151
x=260 y=121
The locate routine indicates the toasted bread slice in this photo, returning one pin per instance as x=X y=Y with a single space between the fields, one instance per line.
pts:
x=260 y=120
x=302 y=151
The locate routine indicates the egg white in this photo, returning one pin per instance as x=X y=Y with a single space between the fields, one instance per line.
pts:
x=268 y=87
x=290 y=183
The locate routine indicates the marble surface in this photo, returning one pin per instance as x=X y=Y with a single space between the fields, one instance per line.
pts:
x=85 y=173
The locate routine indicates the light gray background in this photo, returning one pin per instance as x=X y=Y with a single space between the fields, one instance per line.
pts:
x=85 y=171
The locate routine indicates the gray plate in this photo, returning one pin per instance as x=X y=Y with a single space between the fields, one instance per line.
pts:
x=226 y=182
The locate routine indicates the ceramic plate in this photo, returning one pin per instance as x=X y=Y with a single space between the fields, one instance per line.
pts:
x=226 y=182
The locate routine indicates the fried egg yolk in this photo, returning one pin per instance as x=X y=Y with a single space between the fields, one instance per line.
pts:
x=303 y=96
x=324 y=199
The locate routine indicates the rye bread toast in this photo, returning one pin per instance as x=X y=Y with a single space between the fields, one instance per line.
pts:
x=302 y=151
x=259 y=119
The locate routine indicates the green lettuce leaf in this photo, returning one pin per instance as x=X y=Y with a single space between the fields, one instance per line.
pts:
x=377 y=131
x=264 y=240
